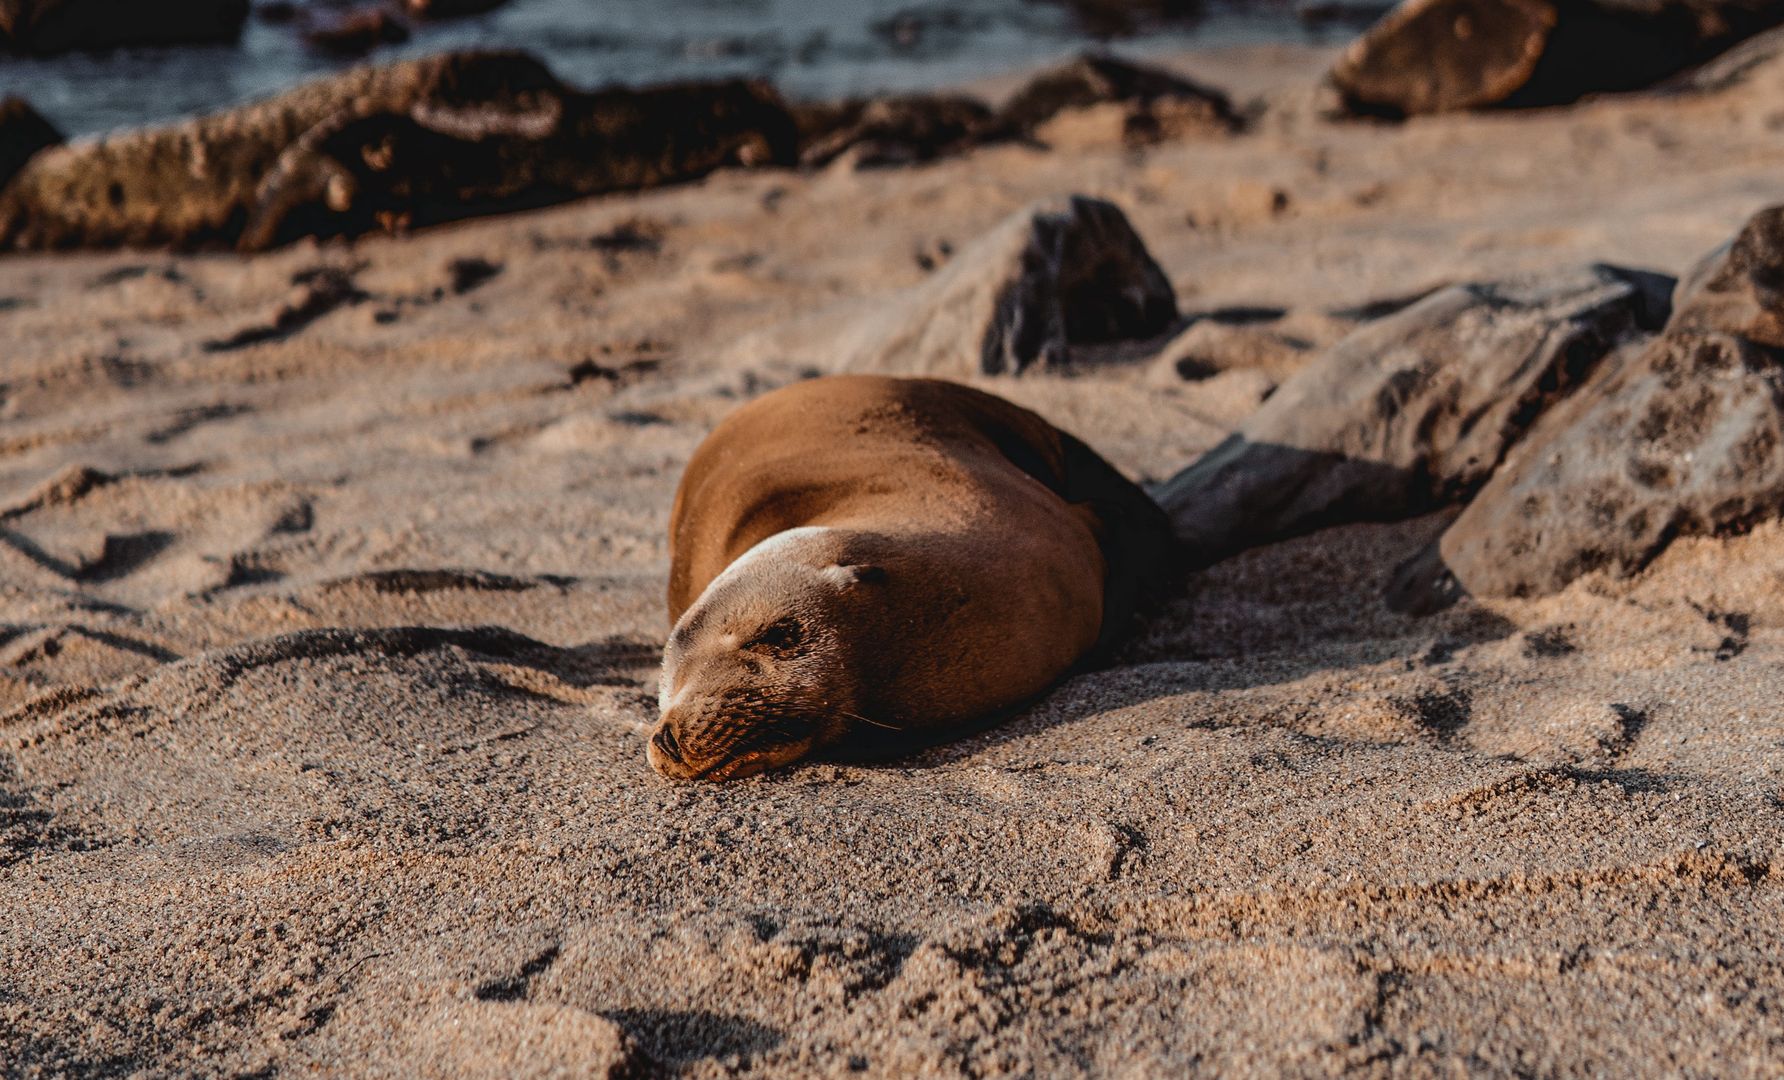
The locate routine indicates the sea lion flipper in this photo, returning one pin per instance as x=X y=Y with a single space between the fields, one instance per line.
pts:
x=1133 y=532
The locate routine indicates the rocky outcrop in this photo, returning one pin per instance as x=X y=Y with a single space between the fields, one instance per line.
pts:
x=1761 y=53
x=43 y=27
x=408 y=143
x=1150 y=105
x=1682 y=437
x=23 y=132
x=450 y=9
x=1411 y=411
x=356 y=31
x=396 y=170
x=1061 y=273
x=1417 y=60
x=1429 y=56
x=897 y=130
x=1155 y=102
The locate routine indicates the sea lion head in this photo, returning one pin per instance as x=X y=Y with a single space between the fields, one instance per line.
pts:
x=759 y=671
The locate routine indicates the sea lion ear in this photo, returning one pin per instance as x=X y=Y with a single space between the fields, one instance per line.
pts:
x=844 y=577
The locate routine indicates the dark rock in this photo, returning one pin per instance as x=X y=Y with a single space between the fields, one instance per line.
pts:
x=922 y=127
x=411 y=143
x=1738 y=288
x=1682 y=437
x=450 y=9
x=23 y=132
x=1410 y=412
x=356 y=32
x=1430 y=56
x=1061 y=273
x=894 y=130
x=45 y=27
x=1097 y=79
x=434 y=163
x=1734 y=67
x=194 y=184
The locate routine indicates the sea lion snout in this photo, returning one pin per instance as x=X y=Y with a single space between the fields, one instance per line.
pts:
x=707 y=741
x=759 y=672
x=666 y=749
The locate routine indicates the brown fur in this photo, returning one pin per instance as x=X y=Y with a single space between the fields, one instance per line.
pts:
x=935 y=554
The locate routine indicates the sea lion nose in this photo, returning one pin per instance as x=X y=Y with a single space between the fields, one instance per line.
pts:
x=667 y=745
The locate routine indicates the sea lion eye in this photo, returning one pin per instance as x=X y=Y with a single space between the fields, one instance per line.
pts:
x=781 y=637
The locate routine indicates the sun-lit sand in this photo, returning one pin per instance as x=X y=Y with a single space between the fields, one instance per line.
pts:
x=326 y=656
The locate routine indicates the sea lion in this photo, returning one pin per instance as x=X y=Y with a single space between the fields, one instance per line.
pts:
x=860 y=555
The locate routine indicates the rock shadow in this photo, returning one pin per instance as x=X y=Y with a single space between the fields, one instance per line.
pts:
x=1269 y=616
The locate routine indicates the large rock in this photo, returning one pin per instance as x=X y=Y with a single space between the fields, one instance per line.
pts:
x=23 y=132
x=305 y=163
x=1759 y=56
x=355 y=31
x=1429 y=56
x=450 y=9
x=1683 y=437
x=1739 y=287
x=432 y=163
x=1150 y=104
x=43 y=27
x=1062 y=272
x=1410 y=411
x=895 y=130
x=1093 y=79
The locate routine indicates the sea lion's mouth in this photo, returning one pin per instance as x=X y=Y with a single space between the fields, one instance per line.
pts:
x=666 y=754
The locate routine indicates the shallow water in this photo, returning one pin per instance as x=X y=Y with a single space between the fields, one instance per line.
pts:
x=810 y=48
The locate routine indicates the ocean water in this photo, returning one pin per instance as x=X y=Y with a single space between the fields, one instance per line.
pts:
x=809 y=48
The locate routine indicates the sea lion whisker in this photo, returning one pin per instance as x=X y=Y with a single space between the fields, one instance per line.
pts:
x=865 y=720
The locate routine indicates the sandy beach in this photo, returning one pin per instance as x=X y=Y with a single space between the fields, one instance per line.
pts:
x=328 y=646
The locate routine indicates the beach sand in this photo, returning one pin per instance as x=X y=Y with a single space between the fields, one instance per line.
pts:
x=326 y=651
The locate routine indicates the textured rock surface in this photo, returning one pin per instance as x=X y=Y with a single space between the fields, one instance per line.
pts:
x=1149 y=103
x=407 y=143
x=356 y=31
x=1153 y=98
x=1739 y=287
x=893 y=130
x=1410 y=411
x=446 y=9
x=195 y=183
x=1061 y=272
x=23 y=132
x=1682 y=437
x=438 y=162
x=1430 y=56
x=53 y=26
